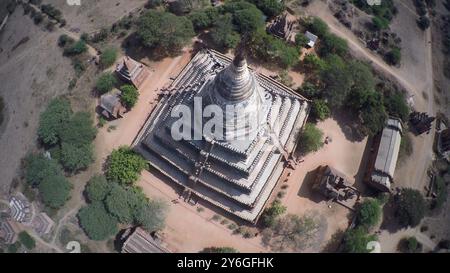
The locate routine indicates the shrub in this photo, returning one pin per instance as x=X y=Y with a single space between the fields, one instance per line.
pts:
x=368 y=213
x=318 y=27
x=105 y=83
x=76 y=48
x=393 y=57
x=423 y=22
x=269 y=216
x=320 y=110
x=311 y=140
x=108 y=57
x=129 y=95
x=410 y=245
x=356 y=241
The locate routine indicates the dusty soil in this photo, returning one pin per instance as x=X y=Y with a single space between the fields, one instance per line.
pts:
x=94 y=15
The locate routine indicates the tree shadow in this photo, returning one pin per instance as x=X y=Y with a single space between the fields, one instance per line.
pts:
x=389 y=221
x=350 y=125
x=306 y=190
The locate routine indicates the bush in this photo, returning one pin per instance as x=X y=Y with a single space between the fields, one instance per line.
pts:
x=410 y=245
x=357 y=240
x=423 y=22
x=271 y=8
x=64 y=40
x=96 y=222
x=152 y=215
x=368 y=213
x=129 y=96
x=410 y=207
x=332 y=44
x=55 y=191
x=269 y=216
x=108 y=57
x=97 y=188
x=309 y=90
x=311 y=140
x=125 y=166
x=26 y=240
x=380 y=23
x=318 y=27
x=320 y=110
x=105 y=83
x=75 y=158
x=248 y=20
x=393 y=57
x=76 y=48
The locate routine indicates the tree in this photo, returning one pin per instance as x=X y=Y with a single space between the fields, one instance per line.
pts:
x=309 y=90
x=311 y=140
x=129 y=95
x=363 y=84
x=27 y=240
x=320 y=110
x=223 y=32
x=291 y=232
x=55 y=191
x=164 y=30
x=373 y=114
x=76 y=48
x=423 y=22
x=203 y=19
x=312 y=63
x=410 y=207
x=410 y=245
x=270 y=215
x=380 y=23
x=57 y=113
x=318 y=27
x=38 y=168
x=395 y=104
x=118 y=204
x=108 y=57
x=332 y=44
x=219 y=250
x=96 y=222
x=125 y=166
x=271 y=8
x=357 y=240
x=79 y=129
x=301 y=40
x=105 y=83
x=152 y=215
x=337 y=80
x=368 y=213
x=248 y=20
x=76 y=157
x=97 y=188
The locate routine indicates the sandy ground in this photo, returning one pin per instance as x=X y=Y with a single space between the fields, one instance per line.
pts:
x=186 y=227
x=29 y=81
x=94 y=15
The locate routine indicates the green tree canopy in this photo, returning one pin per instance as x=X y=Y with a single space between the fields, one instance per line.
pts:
x=410 y=207
x=27 y=240
x=108 y=57
x=357 y=240
x=337 y=80
x=311 y=140
x=125 y=166
x=38 y=168
x=271 y=8
x=164 y=30
x=332 y=44
x=129 y=95
x=119 y=204
x=57 y=113
x=105 y=82
x=320 y=110
x=368 y=213
x=79 y=130
x=96 y=222
x=223 y=32
x=373 y=114
x=97 y=188
x=271 y=214
x=318 y=27
x=76 y=157
x=203 y=19
x=55 y=191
